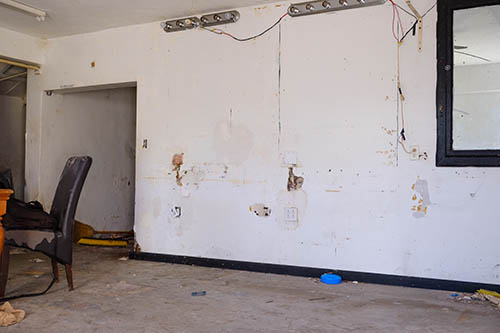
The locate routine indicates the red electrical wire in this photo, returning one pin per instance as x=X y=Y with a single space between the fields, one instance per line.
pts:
x=395 y=15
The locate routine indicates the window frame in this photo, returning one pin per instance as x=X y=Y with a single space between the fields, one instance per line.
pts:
x=446 y=156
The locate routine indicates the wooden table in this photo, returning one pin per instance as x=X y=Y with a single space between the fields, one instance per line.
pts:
x=4 y=196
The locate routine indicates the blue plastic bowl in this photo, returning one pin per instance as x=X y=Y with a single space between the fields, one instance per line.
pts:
x=331 y=279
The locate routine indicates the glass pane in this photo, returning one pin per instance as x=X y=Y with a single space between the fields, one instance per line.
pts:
x=476 y=91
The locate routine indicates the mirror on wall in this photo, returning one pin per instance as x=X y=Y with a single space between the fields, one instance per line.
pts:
x=476 y=84
x=468 y=83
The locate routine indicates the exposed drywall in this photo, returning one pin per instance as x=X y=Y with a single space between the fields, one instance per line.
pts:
x=12 y=129
x=21 y=47
x=323 y=87
x=100 y=124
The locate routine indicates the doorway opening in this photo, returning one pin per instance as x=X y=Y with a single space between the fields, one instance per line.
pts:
x=13 y=127
x=100 y=123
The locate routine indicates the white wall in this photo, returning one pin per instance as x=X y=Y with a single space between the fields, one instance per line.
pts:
x=21 y=47
x=100 y=124
x=12 y=129
x=324 y=87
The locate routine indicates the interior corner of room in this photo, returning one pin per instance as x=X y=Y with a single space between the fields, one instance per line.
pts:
x=253 y=144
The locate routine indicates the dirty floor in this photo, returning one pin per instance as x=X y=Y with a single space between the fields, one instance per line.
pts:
x=135 y=296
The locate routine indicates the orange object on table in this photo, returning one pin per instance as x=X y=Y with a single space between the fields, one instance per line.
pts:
x=4 y=197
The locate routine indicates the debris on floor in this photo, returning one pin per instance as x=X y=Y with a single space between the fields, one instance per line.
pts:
x=37 y=260
x=481 y=295
x=199 y=293
x=121 y=288
x=9 y=315
x=102 y=242
x=82 y=230
x=331 y=278
x=123 y=259
x=35 y=274
x=491 y=296
x=17 y=250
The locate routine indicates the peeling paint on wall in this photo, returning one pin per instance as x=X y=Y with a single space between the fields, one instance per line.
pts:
x=177 y=161
x=260 y=210
x=421 y=198
x=294 y=182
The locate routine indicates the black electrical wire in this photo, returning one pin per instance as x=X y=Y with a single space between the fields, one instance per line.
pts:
x=5 y=299
x=221 y=32
x=413 y=27
x=428 y=10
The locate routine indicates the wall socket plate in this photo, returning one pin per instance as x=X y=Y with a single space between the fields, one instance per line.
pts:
x=414 y=153
x=291 y=214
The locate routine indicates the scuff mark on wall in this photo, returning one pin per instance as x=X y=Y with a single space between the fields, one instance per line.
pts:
x=294 y=182
x=422 y=197
x=177 y=161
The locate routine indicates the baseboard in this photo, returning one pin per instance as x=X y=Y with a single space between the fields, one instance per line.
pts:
x=385 y=279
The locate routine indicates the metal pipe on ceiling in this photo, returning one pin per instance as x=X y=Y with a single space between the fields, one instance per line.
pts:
x=19 y=64
x=13 y=76
x=13 y=87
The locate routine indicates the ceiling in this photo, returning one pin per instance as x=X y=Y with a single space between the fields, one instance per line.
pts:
x=479 y=30
x=70 y=17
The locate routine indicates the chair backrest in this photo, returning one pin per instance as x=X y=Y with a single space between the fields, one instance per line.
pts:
x=68 y=193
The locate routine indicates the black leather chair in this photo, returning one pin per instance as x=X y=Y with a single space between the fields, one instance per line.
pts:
x=56 y=244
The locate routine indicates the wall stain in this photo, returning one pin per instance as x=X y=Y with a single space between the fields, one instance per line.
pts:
x=294 y=182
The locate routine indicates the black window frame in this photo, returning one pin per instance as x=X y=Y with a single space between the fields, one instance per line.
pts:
x=446 y=156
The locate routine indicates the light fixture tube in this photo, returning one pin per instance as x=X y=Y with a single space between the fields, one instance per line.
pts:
x=318 y=7
x=39 y=14
x=204 y=21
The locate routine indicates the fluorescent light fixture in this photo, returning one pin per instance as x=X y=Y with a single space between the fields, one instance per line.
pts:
x=39 y=14
x=205 y=21
x=318 y=7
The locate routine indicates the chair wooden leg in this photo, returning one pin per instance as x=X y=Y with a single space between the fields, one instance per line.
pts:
x=4 y=269
x=55 y=271
x=69 y=276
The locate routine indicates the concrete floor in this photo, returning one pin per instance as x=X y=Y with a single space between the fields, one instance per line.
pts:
x=136 y=296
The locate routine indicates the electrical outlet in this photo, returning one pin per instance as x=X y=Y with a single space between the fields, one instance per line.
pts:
x=291 y=214
x=414 y=153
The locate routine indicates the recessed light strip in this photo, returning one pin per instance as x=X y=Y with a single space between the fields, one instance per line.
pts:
x=205 y=21
x=318 y=7
x=39 y=14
